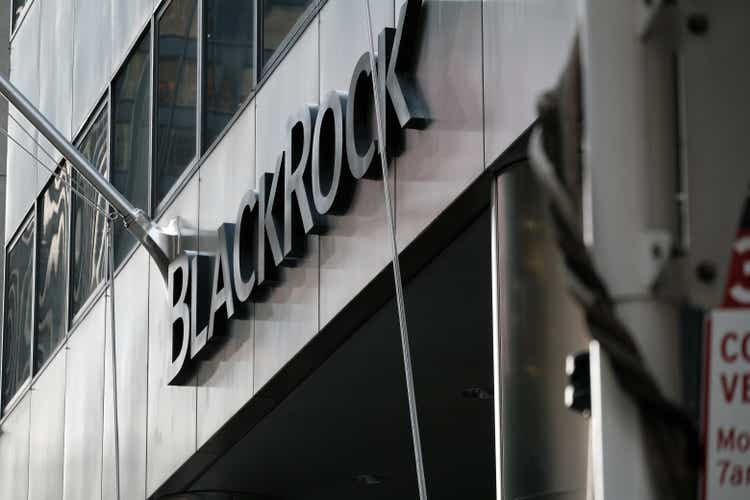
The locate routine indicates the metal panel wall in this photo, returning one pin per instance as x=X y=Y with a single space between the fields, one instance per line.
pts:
x=131 y=328
x=526 y=45
x=55 y=72
x=93 y=56
x=128 y=18
x=21 y=182
x=171 y=409
x=356 y=247
x=47 y=431
x=225 y=381
x=84 y=393
x=14 y=452
x=442 y=160
x=288 y=318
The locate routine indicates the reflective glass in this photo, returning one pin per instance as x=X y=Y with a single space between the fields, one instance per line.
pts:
x=87 y=224
x=279 y=17
x=19 y=293
x=176 y=99
x=51 y=266
x=131 y=105
x=228 y=55
x=18 y=7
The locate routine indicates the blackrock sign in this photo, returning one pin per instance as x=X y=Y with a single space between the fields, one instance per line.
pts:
x=328 y=149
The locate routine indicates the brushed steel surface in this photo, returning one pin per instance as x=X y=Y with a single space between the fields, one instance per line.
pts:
x=56 y=72
x=131 y=319
x=14 y=452
x=539 y=324
x=526 y=45
x=442 y=160
x=171 y=409
x=225 y=380
x=22 y=171
x=288 y=318
x=84 y=393
x=356 y=246
x=47 y=424
x=92 y=55
x=128 y=18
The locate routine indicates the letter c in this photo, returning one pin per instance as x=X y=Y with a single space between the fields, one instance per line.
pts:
x=729 y=358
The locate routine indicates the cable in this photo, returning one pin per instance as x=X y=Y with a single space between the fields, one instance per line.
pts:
x=69 y=183
x=113 y=353
x=113 y=215
x=406 y=351
x=41 y=147
x=38 y=144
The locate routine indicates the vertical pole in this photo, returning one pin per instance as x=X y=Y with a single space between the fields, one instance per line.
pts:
x=405 y=348
x=113 y=354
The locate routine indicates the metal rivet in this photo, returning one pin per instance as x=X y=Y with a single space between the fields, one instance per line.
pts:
x=706 y=272
x=697 y=24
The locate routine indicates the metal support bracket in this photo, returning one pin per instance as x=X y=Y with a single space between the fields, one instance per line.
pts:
x=160 y=243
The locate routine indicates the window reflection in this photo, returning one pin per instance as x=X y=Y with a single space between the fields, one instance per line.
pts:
x=131 y=105
x=51 y=266
x=88 y=225
x=279 y=17
x=18 y=313
x=18 y=8
x=228 y=52
x=177 y=94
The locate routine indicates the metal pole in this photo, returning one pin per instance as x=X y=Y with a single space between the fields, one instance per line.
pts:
x=408 y=371
x=157 y=243
x=113 y=353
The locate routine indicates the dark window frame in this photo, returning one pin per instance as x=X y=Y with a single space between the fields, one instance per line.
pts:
x=189 y=169
x=6 y=407
x=62 y=170
x=147 y=31
x=75 y=318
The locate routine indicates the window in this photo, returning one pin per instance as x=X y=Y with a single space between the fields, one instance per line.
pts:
x=88 y=224
x=279 y=17
x=228 y=55
x=176 y=101
x=131 y=110
x=19 y=283
x=18 y=7
x=51 y=267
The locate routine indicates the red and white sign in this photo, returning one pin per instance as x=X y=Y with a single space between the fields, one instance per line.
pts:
x=727 y=406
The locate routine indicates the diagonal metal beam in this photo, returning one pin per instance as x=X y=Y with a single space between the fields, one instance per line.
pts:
x=159 y=244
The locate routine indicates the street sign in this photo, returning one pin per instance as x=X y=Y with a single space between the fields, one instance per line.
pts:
x=726 y=415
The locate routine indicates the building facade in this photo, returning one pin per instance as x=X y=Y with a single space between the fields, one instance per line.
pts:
x=186 y=106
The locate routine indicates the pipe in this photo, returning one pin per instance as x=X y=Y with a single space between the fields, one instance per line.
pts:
x=158 y=243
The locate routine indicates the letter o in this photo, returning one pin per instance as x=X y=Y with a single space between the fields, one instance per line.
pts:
x=746 y=347
x=361 y=147
x=743 y=442
x=332 y=182
x=245 y=244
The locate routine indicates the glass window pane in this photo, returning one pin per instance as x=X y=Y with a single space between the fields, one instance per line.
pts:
x=228 y=53
x=177 y=94
x=18 y=7
x=88 y=225
x=51 y=266
x=131 y=105
x=279 y=17
x=19 y=293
